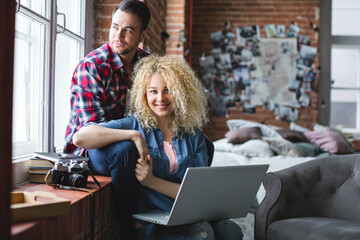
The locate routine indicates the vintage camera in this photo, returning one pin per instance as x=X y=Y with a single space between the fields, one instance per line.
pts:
x=70 y=173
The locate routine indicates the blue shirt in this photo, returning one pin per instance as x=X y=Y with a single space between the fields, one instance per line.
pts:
x=190 y=150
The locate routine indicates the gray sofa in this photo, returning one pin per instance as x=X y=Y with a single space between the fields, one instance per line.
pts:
x=315 y=200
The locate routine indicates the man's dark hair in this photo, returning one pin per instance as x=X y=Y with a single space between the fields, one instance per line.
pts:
x=135 y=7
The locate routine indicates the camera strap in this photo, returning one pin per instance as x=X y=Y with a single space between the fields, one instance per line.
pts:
x=96 y=181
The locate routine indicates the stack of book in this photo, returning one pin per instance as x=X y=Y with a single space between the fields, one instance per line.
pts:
x=38 y=169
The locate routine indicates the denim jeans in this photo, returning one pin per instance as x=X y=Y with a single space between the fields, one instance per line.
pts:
x=223 y=229
x=118 y=160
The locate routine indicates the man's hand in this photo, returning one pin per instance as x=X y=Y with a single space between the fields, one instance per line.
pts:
x=143 y=171
x=141 y=146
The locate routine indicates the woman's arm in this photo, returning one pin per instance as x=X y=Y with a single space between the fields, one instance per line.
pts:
x=143 y=173
x=94 y=136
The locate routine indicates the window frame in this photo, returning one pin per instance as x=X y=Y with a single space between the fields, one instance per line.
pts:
x=326 y=42
x=51 y=29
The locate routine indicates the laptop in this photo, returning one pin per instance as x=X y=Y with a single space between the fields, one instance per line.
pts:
x=212 y=193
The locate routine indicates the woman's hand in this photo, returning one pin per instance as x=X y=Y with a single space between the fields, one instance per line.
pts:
x=143 y=171
x=144 y=175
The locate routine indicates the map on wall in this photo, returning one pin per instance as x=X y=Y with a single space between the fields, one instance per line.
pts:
x=275 y=71
x=256 y=71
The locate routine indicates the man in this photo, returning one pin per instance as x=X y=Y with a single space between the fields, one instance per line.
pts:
x=101 y=80
x=98 y=94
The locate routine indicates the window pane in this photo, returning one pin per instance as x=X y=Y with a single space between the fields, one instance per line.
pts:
x=73 y=11
x=345 y=17
x=28 y=79
x=67 y=57
x=344 y=108
x=38 y=6
x=345 y=63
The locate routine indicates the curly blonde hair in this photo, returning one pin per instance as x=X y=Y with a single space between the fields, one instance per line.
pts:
x=189 y=98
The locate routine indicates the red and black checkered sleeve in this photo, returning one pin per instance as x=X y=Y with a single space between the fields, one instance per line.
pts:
x=89 y=94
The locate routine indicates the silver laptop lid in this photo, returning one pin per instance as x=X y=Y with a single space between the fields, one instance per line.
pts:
x=214 y=193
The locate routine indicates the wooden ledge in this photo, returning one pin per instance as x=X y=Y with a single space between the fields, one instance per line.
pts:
x=75 y=222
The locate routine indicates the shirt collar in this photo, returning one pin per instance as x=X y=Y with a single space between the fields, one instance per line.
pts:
x=117 y=63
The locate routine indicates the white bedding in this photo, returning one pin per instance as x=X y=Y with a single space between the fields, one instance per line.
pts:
x=225 y=155
x=275 y=163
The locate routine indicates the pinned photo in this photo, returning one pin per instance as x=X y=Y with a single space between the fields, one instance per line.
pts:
x=293 y=31
x=285 y=47
x=247 y=33
x=299 y=74
x=294 y=85
x=310 y=76
x=303 y=40
x=288 y=114
x=270 y=31
x=245 y=76
x=307 y=56
x=304 y=100
x=280 y=31
x=225 y=61
x=222 y=39
x=207 y=62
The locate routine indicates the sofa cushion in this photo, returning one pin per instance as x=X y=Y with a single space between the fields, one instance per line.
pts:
x=313 y=228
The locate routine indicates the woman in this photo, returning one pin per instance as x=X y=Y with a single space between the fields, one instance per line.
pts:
x=166 y=108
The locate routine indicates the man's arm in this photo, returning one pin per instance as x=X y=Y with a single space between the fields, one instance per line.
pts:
x=88 y=94
x=94 y=136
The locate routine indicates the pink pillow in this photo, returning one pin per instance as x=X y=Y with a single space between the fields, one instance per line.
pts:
x=329 y=141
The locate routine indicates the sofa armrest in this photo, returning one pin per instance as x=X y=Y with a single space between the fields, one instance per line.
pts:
x=272 y=186
x=287 y=195
x=317 y=188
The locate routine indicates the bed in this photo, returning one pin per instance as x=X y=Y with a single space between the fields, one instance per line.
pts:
x=248 y=142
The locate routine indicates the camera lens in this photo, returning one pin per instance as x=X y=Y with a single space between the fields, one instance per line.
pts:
x=77 y=180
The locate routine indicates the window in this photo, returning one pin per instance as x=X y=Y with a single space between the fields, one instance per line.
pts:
x=345 y=18
x=345 y=65
x=69 y=51
x=339 y=87
x=345 y=94
x=49 y=42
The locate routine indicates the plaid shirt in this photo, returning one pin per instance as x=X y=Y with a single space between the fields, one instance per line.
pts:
x=98 y=91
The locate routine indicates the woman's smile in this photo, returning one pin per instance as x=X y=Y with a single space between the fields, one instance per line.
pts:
x=159 y=98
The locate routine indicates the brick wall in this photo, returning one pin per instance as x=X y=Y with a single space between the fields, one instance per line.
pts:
x=153 y=42
x=175 y=27
x=210 y=15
